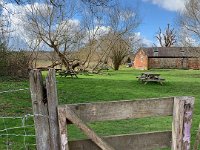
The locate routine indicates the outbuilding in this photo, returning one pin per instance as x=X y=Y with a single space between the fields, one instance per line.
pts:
x=167 y=58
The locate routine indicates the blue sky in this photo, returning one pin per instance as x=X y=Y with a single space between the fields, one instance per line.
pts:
x=154 y=17
x=155 y=14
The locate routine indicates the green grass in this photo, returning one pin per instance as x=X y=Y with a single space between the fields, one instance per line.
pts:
x=112 y=85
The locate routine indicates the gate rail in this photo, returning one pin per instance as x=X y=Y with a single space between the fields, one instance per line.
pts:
x=51 y=132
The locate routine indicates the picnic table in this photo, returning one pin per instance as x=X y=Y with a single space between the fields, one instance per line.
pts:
x=146 y=77
x=68 y=72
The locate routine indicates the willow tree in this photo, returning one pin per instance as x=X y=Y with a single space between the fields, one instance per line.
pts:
x=119 y=51
x=123 y=23
x=53 y=23
x=66 y=26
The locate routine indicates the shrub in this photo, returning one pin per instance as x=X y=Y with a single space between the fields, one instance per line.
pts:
x=14 y=64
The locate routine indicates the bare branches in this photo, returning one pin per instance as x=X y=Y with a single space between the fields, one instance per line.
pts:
x=119 y=51
x=168 y=38
x=97 y=2
x=190 y=18
x=159 y=37
x=88 y=36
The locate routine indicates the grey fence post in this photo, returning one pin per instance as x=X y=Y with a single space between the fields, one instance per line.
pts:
x=40 y=111
x=182 y=123
x=44 y=103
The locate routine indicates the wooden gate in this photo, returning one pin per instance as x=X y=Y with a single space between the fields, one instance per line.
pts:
x=51 y=131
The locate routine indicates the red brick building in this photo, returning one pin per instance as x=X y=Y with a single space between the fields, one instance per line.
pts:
x=167 y=58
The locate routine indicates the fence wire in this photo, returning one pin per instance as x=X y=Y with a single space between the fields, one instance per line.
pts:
x=18 y=133
x=16 y=90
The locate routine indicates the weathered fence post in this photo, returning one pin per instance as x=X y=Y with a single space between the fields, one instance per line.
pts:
x=197 y=140
x=44 y=103
x=40 y=111
x=182 y=121
x=52 y=100
x=63 y=132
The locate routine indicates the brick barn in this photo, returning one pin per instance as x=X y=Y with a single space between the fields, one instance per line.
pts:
x=167 y=58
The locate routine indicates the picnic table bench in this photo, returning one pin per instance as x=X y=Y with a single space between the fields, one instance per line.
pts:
x=68 y=72
x=150 y=77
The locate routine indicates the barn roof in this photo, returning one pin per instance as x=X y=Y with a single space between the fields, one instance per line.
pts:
x=172 y=51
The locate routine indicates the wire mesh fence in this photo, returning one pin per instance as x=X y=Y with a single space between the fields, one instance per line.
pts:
x=17 y=133
x=15 y=90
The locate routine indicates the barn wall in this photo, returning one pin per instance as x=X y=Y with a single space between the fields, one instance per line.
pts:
x=165 y=63
x=141 y=61
x=174 y=63
x=194 y=63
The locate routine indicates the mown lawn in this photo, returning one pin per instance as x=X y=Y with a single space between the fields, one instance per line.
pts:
x=111 y=85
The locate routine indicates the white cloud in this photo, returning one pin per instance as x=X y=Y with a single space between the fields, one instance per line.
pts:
x=101 y=30
x=191 y=41
x=143 y=40
x=171 y=5
x=16 y=15
x=2 y=2
x=139 y=41
x=97 y=32
x=71 y=27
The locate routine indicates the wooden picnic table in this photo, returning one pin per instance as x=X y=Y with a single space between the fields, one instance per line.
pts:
x=146 y=77
x=72 y=73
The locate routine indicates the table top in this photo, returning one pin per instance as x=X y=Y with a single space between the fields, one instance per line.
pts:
x=150 y=73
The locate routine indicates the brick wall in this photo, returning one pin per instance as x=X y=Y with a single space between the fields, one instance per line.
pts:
x=194 y=63
x=174 y=63
x=168 y=63
x=141 y=61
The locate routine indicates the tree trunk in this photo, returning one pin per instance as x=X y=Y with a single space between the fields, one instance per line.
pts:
x=116 y=65
x=62 y=57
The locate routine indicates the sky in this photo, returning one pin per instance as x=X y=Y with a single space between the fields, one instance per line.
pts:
x=153 y=14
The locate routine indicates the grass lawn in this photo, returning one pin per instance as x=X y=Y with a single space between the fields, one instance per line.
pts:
x=112 y=85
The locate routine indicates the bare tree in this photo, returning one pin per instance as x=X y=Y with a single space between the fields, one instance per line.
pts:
x=189 y=19
x=101 y=27
x=123 y=22
x=186 y=38
x=51 y=21
x=52 y=24
x=119 y=51
x=167 y=38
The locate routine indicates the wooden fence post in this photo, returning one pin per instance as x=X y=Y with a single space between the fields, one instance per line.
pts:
x=40 y=111
x=182 y=121
x=197 y=140
x=63 y=132
x=52 y=100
